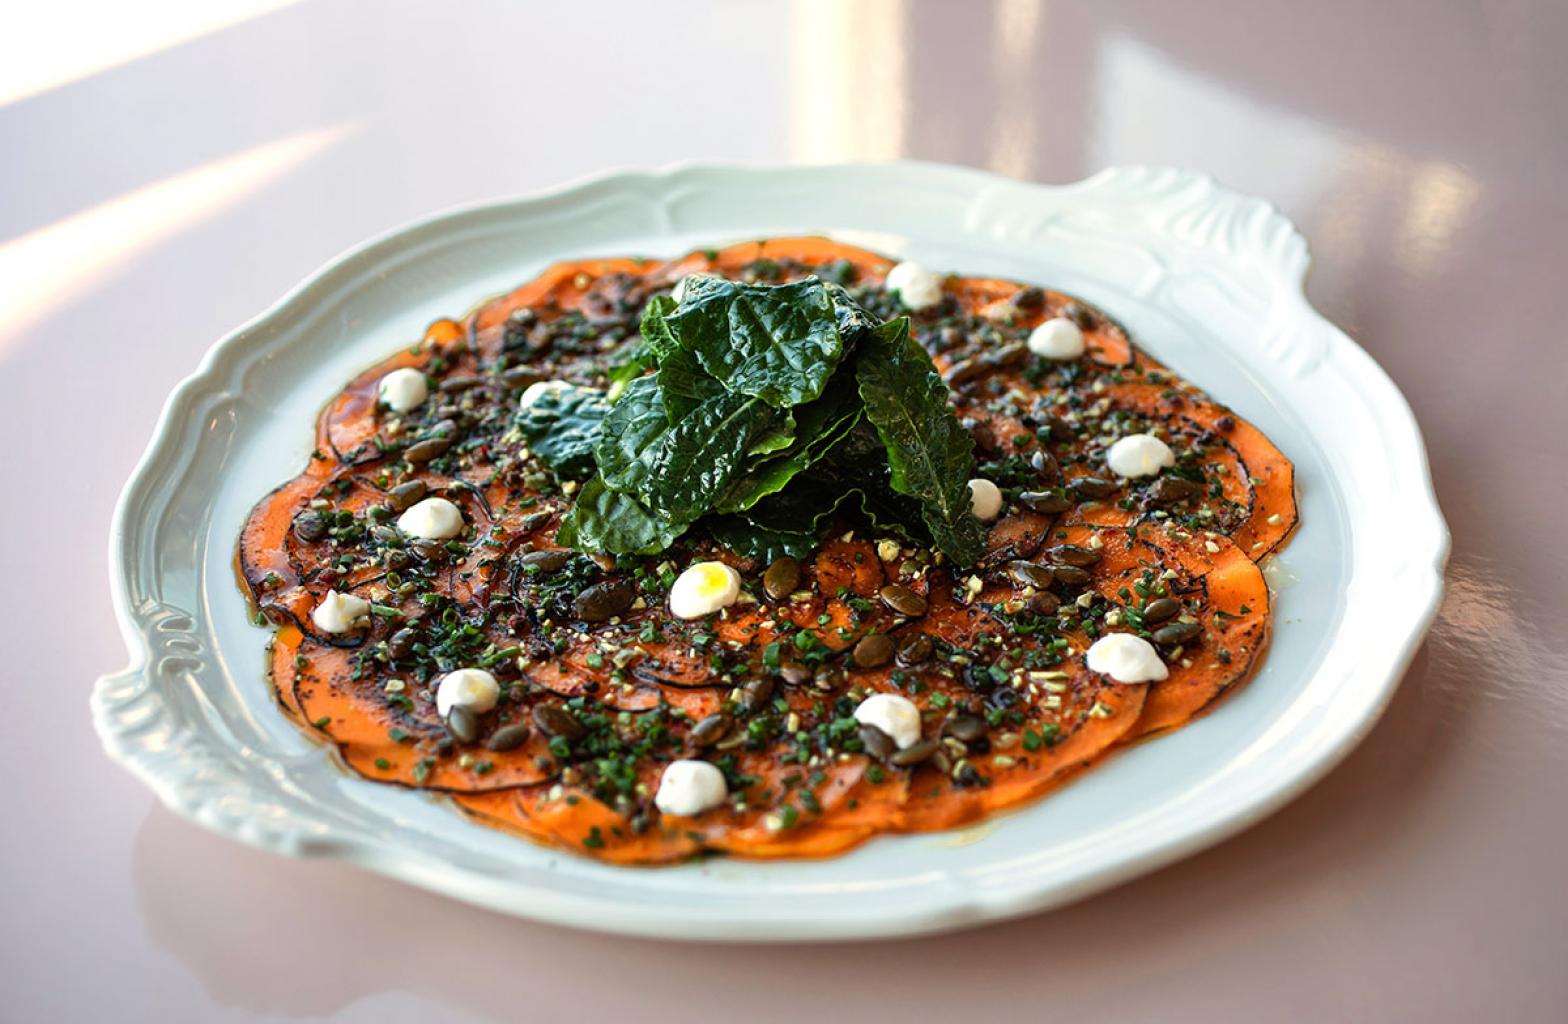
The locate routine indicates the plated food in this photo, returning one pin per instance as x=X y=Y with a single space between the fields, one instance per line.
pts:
x=765 y=550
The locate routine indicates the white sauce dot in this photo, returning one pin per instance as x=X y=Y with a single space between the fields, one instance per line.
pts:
x=1139 y=455
x=703 y=589
x=403 y=389
x=985 y=498
x=340 y=613
x=916 y=286
x=432 y=519
x=690 y=787
x=897 y=716
x=1057 y=338
x=472 y=688
x=1126 y=659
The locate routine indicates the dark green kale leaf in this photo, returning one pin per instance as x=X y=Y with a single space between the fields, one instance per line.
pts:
x=606 y=520
x=562 y=427
x=677 y=468
x=778 y=343
x=930 y=454
x=817 y=427
x=749 y=540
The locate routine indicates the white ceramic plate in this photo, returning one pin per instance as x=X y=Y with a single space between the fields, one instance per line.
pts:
x=1209 y=281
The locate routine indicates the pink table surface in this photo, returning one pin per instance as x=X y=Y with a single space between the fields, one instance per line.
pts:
x=149 y=206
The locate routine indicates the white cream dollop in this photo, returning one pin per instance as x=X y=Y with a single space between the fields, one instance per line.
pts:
x=897 y=716
x=1126 y=659
x=403 y=389
x=703 y=589
x=985 y=499
x=916 y=286
x=472 y=688
x=340 y=613
x=1057 y=338
x=1139 y=455
x=432 y=519
x=540 y=388
x=690 y=787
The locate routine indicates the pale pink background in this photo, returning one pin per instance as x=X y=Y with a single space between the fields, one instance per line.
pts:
x=148 y=206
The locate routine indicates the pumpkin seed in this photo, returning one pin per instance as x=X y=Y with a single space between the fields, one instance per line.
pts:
x=794 y=674
x=1070 y=575
x=964 y=371
x=967 y=728
x=1031 y=574
x=1044 y=603
x=1044 y=463
x=1168 y=490
x=1060 y=430
x=1012 y=355
x=915 y=649
x=1177 y=633
x=603 y=601
x=508 y=737
x=520 y=377
x=1029 y=298
x=401 y=644
x=1072 y=554
x=876 y=742
x=711 y=729
x=1160 y=609
x=552 y=560
x=462 y=724
x=754 y=693
x=873 y=651
x=1093 y=487
x=430 y=550
x=554 y=720
x=916 y=753
x=781 y=578
x=1045 y=501
x=903 y=600
x=404 y=495
x=430 y=448
x=310 y=525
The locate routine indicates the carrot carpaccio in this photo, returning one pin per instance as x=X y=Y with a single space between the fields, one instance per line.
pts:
x=601 y=687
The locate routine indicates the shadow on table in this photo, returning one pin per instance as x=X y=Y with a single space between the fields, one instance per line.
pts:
x=274 y=935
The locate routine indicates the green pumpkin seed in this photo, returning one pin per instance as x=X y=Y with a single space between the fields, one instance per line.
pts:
x=1045 y=502
x=1177 y=633
x=462 y=724
x=1160 y=609
x=1072 y=554
x=916 y=753
x=1093 y=487
x=903 y=600
x=873 y=651
x=554 y=720
x=877 y=743
x=781 y=578
x=508 y=737
x=711 y=729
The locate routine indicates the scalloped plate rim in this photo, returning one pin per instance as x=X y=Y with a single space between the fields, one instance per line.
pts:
x=163 y=456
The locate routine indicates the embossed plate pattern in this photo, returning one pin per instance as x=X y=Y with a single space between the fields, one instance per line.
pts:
x=1208 y=280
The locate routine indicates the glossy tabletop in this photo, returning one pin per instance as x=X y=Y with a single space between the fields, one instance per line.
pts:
x=171 y=168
